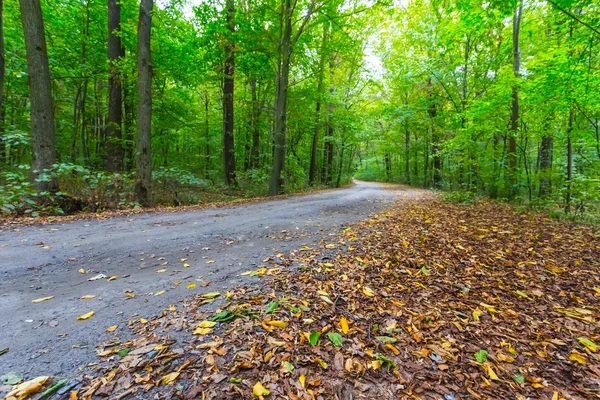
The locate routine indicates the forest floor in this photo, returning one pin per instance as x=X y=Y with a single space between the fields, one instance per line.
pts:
x=424 y=300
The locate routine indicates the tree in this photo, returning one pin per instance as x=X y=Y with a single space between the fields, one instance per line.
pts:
x=43 y=145
x=143 y=185
x=114 y=147
x=228 y=90
x=514 y=115
x=2 y=73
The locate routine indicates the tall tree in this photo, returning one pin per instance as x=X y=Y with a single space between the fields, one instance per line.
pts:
x=2 y=73
x=514 y=115
x=228 y=88
x=43 y=142
x=312 y=173
x=285 y=48
x=143 y=184
x=114 y=147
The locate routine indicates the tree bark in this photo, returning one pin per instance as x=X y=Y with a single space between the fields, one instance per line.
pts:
x=569 y=162
x=2 y=74
x=43 y=142
x=228 y=88
x=545 y=162
x=514 y=116
x=114 y=147
x=312 y=173
x=206 y=136
x=143 y=185
x=283 y=73
x=254 y=150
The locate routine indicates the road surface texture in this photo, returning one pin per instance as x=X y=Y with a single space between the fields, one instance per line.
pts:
x=145 y=252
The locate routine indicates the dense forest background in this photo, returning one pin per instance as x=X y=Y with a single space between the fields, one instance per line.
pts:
x=185 y=101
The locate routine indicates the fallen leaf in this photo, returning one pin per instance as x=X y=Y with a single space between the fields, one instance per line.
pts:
x=159 y=293
x=88 y=296
x=259 y=390
x=344 y=325
x=165 y=380
x=85 y=316
x=368 y=292
x=42 y=299
x=578 y=357
x=191 y=285
x=26 y=389
x=111 y=328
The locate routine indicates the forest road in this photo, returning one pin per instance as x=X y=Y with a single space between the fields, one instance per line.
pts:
x=145 y=252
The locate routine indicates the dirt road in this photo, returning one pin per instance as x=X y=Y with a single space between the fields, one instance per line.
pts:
x=145 y=252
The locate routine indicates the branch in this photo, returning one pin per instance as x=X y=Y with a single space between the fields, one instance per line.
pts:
x=573 y=16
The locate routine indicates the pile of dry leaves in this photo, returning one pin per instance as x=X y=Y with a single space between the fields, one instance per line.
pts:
x=428 y=300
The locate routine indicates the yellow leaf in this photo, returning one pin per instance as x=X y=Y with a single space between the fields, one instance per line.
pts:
x=165 y=380
x=81 y=271
x=488 y=307
x=476 y=314
x=259 y=390
x=491 y=373
x=580 y=358
x=160 y=271
x=537 y=385
x=330 y=246
x=302 y=380
x=207 y=324
x=111 y=329
x=88 y=296
x=392 y=347
x=278 y=324
x=131 y=295
x=183 y=259
x=210 y=262
x=367 y=291
x=28 y=388
x=42 y=299
x=344 y=325
x=113 y=278
x=191 y=285
x=202 y=331
x=504 y=357
x=143 y=321
x=85 y=316
x=186 y=265
x=159 y=293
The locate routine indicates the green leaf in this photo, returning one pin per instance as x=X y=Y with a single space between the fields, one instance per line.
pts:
x=10 y=379
x=124 y=352
x=335 y=338
x=235 y=380
x=272 y=307
x=522 y=294
x=481 y=356
x=288 y=367
x=424 y=271
x=314 y=338
x=518 y=378
x=588 y=343
x=211 y=295
x=386 y=339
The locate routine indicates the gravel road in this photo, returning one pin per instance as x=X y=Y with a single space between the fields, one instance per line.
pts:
x=145 y=252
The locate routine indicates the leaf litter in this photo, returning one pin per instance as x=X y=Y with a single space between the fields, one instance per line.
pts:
x=427 y=300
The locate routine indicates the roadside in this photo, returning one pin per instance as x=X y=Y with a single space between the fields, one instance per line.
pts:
x=425 y=300
x=154 y=257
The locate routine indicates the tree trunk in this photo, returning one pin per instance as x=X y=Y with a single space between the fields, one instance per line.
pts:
x=114 y=147
x=340 y=167
x=388 y=166
x=312 y=174
x=406 y=153
x=569 y=162
x=545 y=160
x=2 y=73
x=143 y=184
x=128 y=125
x=514 y=116
x=254 y=151
x=206 y=136
x=228 y=87
x=283 y=73
x=43 y=142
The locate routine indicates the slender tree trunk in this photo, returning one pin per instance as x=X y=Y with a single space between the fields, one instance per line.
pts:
x=514 y=116
x=43 y=142
x=143 y=184
x=128 y=125
x=206 y=136
x=312 y=174
x=283 y=72
x=406 y=147
x=2 y=101
x=228 y=87
x=114 y=147
x=254 y=151
x=340 y=166
x=435 y=140
x=569 y=162
x=545 y=160
x=330 y=129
